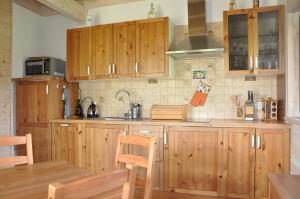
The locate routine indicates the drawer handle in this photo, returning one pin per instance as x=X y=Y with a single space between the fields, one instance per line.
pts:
x=64 y=125
x=144 y=131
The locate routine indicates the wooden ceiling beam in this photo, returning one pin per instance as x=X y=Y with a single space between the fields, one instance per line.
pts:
x=36 y=7
x=98 y=3
x=67 y=8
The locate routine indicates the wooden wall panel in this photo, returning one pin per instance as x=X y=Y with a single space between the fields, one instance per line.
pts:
x=295 y=149
x=5 y=70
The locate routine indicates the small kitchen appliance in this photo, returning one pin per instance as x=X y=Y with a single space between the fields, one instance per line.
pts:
x=45 y=66
x=93 y=111
x=136 y=111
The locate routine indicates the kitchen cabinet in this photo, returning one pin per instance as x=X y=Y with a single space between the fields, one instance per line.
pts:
x=151 y=46
x=100 y=144
x=121 y=50
x=79 y=53
x=272 y=155
x=239 y=162
x=68 y=143
x=38 y=100
x=145 y=130
x=41 y=142
x=192 y=161
x=113 y=50
x=254 y=41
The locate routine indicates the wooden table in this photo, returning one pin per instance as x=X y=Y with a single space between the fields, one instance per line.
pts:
x=31 y=181
x=284 y=186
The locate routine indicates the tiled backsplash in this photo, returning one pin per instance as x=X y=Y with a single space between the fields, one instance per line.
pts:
x=179 y=90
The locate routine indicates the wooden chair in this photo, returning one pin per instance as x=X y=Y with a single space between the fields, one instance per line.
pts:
x=13 y=141
x=104 y=185
x=143 y=141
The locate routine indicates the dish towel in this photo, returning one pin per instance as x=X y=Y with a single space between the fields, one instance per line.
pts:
x=66 y=100
x=200 y=95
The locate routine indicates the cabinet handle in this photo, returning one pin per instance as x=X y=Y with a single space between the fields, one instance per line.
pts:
x=144 y=131
x=253 y=141
x=137 y=67
x=89 y=70
x=109 y=68
x=165 y=138
x=258 y=142
x=64 y=125
x=114 y=68
x=124 y=133
x=251 y=63
x=256 y=63
x=47 y=89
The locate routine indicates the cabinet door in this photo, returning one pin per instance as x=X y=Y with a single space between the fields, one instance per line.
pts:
x=68 y=143
x=101 y=143
x=79 y=54
x=41 y=142
x=124 y=49
x=238 y=41
x=239 y=160
x=191 y=158
x=269 y=39
x=272 y=155
x=32 y=102
x=149 y=131
x=103 y=51
x=151 y=45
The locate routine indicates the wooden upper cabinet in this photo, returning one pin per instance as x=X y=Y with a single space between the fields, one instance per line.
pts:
x=272 y=155
x=79 y=54
x=151 y=45
x=103 y=52
x=192 y=160
x=32 y=102
x=124 y=49
x=238 y=41
x=239 y=162
x=254 y=41
x=269 y=37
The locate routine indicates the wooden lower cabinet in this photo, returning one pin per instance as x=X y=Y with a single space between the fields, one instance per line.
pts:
x=41 y=142
x=149 y=131
x=272 y=155
x=238 y=162
x=191 y=160
x=68 y=143
x=101 y=144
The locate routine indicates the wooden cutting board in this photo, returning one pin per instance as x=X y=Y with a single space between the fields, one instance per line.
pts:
x=168 y=112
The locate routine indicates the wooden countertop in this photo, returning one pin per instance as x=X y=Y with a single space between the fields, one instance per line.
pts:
x=217 y=123
x=286 y=186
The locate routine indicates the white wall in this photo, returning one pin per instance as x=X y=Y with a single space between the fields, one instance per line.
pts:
x=26 y=38
x=175 y=9
x=34 y=35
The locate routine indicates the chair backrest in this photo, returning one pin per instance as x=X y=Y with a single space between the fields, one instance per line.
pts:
x=13 y=141
x=147 y=142
x=103 y=185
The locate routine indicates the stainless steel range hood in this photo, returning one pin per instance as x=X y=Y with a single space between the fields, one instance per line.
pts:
x=198 y=44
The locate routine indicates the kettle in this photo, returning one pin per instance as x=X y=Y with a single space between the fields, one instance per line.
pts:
x=93 y=110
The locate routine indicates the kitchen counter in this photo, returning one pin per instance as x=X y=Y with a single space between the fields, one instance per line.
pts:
x=190 y=122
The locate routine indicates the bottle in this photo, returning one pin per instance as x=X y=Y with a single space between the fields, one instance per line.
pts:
x=249 y=107
x=151 y=12
x=79 y=109
x=232 y=5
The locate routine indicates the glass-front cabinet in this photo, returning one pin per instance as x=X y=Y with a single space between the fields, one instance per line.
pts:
x=254 y=41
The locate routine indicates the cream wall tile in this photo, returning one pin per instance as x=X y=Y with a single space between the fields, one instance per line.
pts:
x=180 y=90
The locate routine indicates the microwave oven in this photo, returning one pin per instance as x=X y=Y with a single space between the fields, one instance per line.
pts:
x=45 y=66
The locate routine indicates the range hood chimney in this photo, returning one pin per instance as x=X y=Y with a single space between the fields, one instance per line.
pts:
x=198 y=44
